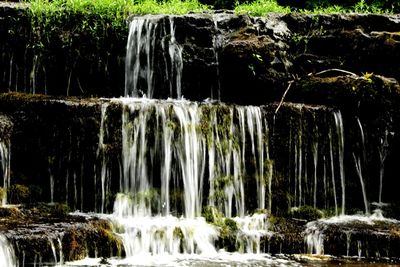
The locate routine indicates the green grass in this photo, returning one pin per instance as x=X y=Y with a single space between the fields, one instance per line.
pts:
x=359 y=7
x=114 y=11
x=261 y=8
x=117 y=8
x=95 y=18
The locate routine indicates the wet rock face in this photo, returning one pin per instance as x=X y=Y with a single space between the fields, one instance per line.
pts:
x=46 y=234
x=354 y=237
x=357 y=43
x=55 y=138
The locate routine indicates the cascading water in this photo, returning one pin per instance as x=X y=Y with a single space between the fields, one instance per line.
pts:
x=101 y=155
x=316 y=158
x=382 y=157
x=152 y=42
x=358 y=164
x=5 y=157
x=340 y=134
x=190 y=137
x=7 y=256
x=166 y=147
x=217 y=44
x=252 y=229
x=178 y=156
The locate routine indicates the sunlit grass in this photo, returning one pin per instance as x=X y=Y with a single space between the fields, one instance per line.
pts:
x=261 y=8
x=114 y=9
x=47 y=15
x=121 y=9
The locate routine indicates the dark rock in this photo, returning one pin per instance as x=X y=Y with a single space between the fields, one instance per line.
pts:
x=356 y=237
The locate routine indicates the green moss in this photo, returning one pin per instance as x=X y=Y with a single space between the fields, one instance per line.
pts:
x=227 y=228
x=178 y=234
x=268 y=169
x=73 y=248
x=306 y=213
x=60 y=210
x=212 y=215
x=228 y=232
x=19 y=194
x=2 y=193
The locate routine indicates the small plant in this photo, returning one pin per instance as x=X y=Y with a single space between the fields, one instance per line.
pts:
x=364 y=7
x=367 y=76
x=328 y=9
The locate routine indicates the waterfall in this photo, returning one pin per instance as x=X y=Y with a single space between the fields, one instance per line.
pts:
x=315 y=165
x=358 y=165
x=217 y=44
x=383 y=149
x=7 y=255
x=101 y=155
x=151 y=47
x=357 y=162
x=340 y=135
x=332 y=165
x=180 y=145
x=315 y=156
x=252 y=228
x=314 y=238
x=5 y=157
x=199 y=151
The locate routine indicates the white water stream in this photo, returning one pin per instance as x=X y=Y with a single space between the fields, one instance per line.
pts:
x=7 y=256
x=152 y=40
x=5 y=157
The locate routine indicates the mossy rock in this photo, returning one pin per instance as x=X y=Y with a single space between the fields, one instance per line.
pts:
x=19 y=194
x=227 y=228
x=306 y=213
